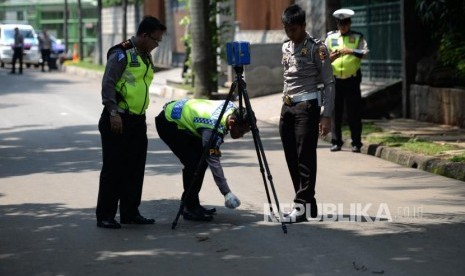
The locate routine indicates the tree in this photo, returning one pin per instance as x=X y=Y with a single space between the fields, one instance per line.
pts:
x=445 y=19
x=201 y=48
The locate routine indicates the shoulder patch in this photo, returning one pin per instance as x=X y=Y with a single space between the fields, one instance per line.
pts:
x=322 y=52
x=121 y=55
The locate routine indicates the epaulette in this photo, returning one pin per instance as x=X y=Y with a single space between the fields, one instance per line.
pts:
x=315 y=40
x=331 y=32
x=125 y=45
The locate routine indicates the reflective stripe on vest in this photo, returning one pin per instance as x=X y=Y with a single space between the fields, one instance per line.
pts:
x=194 y=114
x=346 y=65
x=134 y=84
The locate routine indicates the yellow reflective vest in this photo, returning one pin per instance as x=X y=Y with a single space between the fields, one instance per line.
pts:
x=133 y=87
x=195 y=114
x=347 y=65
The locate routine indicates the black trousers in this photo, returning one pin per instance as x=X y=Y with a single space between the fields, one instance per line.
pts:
x=188 y=148
x=122 y=174
x=17 y=55
x=45 y=58
x=298 y=128
x=349 y=96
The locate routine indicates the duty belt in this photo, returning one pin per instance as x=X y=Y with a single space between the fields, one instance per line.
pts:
x=297 y=98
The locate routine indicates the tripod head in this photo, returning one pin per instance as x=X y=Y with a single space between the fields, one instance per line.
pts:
x=239 y=70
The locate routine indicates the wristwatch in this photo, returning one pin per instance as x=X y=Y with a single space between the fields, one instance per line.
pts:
x=113 y=113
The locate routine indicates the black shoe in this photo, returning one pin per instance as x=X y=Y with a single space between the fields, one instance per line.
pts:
x=108 y=223
x=335 y=148
x=356 y=148
x=138 y=220
x=196 y=214
x=12 y=73
x=208 y=211
x=313 y=208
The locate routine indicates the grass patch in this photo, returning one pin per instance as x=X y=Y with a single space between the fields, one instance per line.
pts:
x=458 y=158
x=367 y=129
x=86 y=65
x=372 y=134
x=426 y=147
x=188 y=87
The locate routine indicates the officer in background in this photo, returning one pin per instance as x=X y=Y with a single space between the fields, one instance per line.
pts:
x=125 y=95
x=45 y=46
x=347 y=48
x=18 y=48
x=186 y=127
x=306 y=64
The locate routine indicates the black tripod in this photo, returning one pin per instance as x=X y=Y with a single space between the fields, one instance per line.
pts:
x=243 y=97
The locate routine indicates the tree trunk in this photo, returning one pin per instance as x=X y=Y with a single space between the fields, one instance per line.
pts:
x=99 y=31
x=125 y=19
x=201 y=48
x=81 y=39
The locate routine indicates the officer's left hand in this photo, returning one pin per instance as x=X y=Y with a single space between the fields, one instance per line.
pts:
x=231 y=201
x=325 y=125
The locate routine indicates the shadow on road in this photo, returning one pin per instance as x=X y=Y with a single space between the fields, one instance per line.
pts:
x=52 y=239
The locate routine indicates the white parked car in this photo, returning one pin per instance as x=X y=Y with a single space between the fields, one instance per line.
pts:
x=31 y=54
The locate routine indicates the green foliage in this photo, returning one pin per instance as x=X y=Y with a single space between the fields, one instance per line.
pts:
x=446 y=22
x=112 y=3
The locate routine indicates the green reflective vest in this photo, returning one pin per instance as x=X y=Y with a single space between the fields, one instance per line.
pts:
x=195 y=114
x=347 y=65
x=133 y=87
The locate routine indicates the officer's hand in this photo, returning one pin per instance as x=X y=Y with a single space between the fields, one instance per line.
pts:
x=346 y=51
x=116 y=124
x=334 y=55
x=231 y=201
x=325 y=125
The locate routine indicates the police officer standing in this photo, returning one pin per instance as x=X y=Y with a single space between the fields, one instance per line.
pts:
x=18 y=48
x=306 y=64
x=347 y=48
x=125 y=95
x=186 y=126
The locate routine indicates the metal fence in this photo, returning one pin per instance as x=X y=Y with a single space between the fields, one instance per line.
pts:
x=380 y=24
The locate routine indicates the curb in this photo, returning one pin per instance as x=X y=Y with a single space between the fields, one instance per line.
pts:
x=82 y=72
x=413 y=160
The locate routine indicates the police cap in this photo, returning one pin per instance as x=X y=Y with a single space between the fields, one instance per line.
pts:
x=343 y=15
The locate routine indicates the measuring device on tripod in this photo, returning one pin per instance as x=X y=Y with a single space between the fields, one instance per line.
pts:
x=238 y=55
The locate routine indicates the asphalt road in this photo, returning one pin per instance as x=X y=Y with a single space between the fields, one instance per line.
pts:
x=376 y=217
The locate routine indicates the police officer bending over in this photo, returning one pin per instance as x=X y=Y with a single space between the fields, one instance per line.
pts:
x=186 y=127
x=347 y=48
x=306 y=64
x=125 y=95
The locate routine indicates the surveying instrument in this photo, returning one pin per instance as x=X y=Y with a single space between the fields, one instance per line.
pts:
x=238 y=55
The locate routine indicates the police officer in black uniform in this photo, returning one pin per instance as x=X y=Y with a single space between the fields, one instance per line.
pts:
x=125 y=95
x=306 y=65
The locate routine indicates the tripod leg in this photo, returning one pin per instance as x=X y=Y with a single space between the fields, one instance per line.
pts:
x=261 y=153
x=175 y=222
